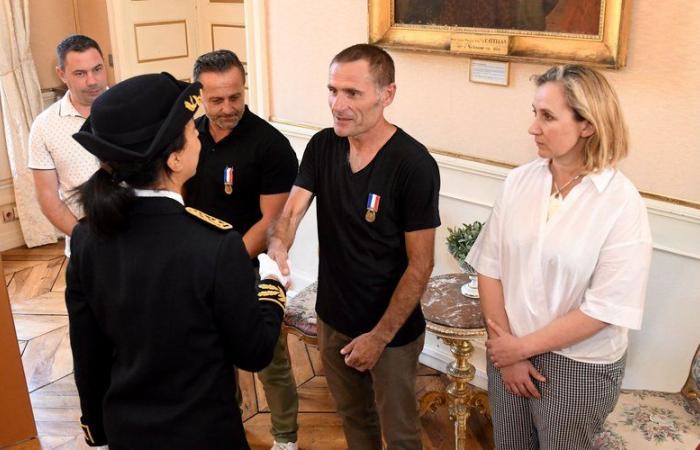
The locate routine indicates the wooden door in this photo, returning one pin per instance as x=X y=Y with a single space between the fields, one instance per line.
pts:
x=16 y=419
x=221 y=25
x=152 y=36
x=167 y=35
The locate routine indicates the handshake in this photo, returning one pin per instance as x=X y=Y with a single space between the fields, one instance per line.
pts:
x=270 y=269
x=273 y=284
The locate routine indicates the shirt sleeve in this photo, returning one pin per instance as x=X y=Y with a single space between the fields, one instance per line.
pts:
x=279 y=167
x=308 y=168
x=419 y=199
x=485 y=254
x=617 y=289
x=250 y=328
x=38 y=156
x=91 y=349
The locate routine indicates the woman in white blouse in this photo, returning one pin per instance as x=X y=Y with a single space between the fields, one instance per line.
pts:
x=563 y=265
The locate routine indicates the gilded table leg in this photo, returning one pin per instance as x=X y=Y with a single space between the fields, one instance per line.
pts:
x=461 y=397
x=431 y=401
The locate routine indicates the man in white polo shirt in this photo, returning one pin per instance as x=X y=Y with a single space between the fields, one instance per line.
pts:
x=58 y=162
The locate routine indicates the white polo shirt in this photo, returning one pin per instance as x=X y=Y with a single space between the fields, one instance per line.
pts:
x=51 y=146
x=594 y=253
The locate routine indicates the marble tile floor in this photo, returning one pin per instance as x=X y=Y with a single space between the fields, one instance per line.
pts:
x=35 y=279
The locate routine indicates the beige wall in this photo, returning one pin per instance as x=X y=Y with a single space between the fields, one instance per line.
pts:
x=50 y=21
x=438 y=105
x=93 y=22
x=53 y=20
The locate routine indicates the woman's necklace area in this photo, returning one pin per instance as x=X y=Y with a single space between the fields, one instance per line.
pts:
x=555 y=199
x=558 y=190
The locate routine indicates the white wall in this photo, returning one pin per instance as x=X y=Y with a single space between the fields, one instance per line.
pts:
x=437 y=104
x=659 y=355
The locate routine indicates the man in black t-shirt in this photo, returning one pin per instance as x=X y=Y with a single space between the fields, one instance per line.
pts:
x=377 y=207
x=246 y=169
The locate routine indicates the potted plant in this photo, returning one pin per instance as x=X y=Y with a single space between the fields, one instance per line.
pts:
x=459 y=242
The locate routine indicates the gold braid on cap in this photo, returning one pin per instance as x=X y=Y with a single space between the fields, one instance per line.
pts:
x=272 y=291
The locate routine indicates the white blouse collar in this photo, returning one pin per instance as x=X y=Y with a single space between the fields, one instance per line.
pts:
x=599 y=179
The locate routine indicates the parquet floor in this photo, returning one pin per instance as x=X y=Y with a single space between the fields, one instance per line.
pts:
x=35 y=279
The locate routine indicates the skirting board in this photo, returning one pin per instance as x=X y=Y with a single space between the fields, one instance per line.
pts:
x=10 y=233
x=437 y=355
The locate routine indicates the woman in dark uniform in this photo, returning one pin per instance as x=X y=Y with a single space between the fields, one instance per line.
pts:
x=162 y=300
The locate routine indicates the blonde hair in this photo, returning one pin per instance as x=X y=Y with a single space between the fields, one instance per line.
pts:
x=592 y=98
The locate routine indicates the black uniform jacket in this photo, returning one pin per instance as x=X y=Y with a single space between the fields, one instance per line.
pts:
x=159 y=315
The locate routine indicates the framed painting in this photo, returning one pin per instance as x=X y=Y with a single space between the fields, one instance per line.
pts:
x=541 y=31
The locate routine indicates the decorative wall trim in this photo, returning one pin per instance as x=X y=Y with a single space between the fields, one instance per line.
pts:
x=226 y=25
x=141 y=59
x=657 y=359
x=256 y=46
x=676 y=209
x=300 y=129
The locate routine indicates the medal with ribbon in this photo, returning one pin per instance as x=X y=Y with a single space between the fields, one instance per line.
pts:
x=372 y=207
x=228 y=180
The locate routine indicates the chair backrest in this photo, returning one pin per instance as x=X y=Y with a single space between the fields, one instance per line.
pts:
x=300 y=315
x=691 y=390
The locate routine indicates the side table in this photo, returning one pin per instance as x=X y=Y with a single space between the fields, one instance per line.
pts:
x=455 y=319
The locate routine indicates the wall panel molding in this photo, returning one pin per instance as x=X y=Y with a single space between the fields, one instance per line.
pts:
x=498 y=171
x=657 y=359
x=152 y=37
x=232 y=37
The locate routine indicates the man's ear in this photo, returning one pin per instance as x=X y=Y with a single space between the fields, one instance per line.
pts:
x=61 y=73
x=388 y=94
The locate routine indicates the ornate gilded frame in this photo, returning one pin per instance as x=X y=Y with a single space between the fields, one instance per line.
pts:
x=607 y=49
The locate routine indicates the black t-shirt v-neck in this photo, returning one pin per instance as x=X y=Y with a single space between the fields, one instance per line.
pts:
x=361 y=262
x=263 y=163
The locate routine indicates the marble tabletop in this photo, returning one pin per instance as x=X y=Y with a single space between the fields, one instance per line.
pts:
x=444 y=304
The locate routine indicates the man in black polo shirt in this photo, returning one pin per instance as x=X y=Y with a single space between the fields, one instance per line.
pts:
x=377 y=207
x=246 y=169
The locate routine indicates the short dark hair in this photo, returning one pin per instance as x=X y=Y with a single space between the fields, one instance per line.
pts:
x=381 y=66
x=74 y=43
x=217 y=61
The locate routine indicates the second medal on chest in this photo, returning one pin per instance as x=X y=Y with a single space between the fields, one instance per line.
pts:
x=228 y=180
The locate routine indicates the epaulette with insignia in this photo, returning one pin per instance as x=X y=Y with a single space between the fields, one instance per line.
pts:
x=272 y=291
x=211 y=220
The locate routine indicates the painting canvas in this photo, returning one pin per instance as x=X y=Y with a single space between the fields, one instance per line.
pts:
x=578 y=17
x=540 y=31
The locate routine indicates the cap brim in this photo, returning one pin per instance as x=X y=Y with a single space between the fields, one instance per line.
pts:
x=104 y=150
x=181 y=112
